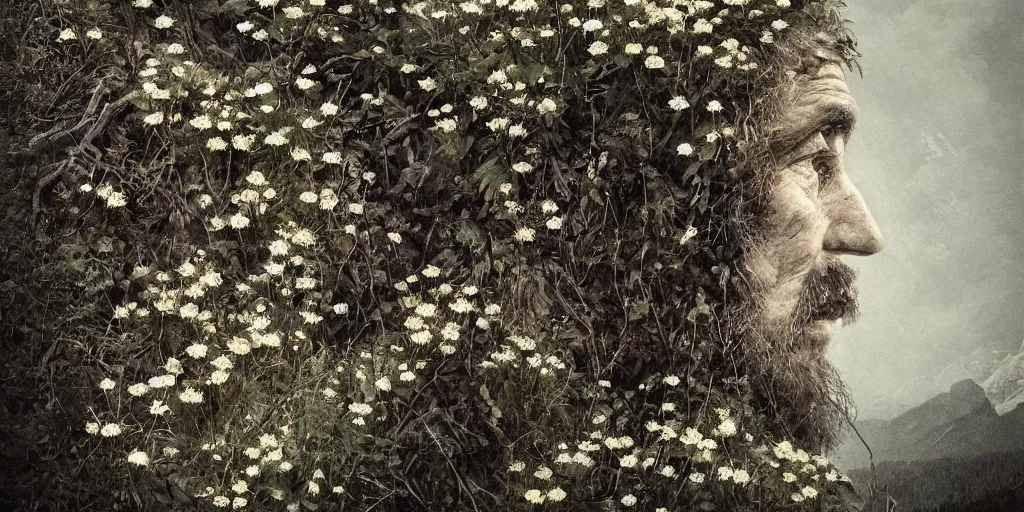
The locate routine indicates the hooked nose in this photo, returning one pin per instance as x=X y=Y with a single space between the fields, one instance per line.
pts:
x=852 y=229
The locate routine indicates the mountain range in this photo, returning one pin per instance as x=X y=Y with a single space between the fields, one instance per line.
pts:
x=960 y=423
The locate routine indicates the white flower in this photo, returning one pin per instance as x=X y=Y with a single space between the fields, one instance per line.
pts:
x=196 y=350
x=293 y=13
x=240 y=346
x=243 y=142
x=782 y=3
x=239 y=221
x=517 y=131
x=779 y=25
x=116 y=200
x=554 y=223
x=684 y=149
x=671 y=380
x=191 y=396
x=592 y=25
x=598 y=48
x=275 y=139
x=138 y=389
x=304 y=83
x=176 y=49
x=678 y=103
x=162 y=381
x=138 y=458
x=94 y=34
x=543 y=473
x=66 y=35
x=360 y=408
x=628 y=461
x=522 y=167
x=633 y=49
x=244 y=27
x=702 y=26
x=654 y=62
x=446 y=125
x=163 y=21
x=256 y=178
x=696 y=477
x=110 y=430
x=711 y=137
x=547 y=105
x=107 y=384
x=740 y=476
x=216 y=144
x=478 y=102
x=556 y=494
x=524 y=235
x=534 y=496
x=714 y=106
x=154 y=119
x=355 y=208
x=628 y=500
x=428 y=84
x=383 y=384
x=726 y=428
x=328 y=109
x=426 y=310
x=331 y=158
x=240 y=486
x=809 y=492
x=143 y=4
x=92 y=428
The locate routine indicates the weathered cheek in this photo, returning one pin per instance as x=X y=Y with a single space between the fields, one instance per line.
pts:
x=795 y=211
x=794 y=244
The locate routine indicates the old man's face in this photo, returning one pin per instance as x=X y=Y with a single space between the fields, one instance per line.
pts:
x=815 y=215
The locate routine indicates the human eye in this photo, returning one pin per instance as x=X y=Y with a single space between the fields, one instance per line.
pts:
x=826 y=164
x=832 y=131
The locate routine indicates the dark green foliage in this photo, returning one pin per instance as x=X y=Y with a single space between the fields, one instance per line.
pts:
x=634 y=287
x=989 y=482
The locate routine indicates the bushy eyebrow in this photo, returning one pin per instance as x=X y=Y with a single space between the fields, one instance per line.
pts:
x=840 y=114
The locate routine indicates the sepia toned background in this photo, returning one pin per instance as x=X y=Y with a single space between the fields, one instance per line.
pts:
x=937 y=156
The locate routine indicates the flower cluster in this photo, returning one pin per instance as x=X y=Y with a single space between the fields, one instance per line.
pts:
x=387 y=268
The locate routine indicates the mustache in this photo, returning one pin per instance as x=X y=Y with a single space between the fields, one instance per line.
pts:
x=828 y=294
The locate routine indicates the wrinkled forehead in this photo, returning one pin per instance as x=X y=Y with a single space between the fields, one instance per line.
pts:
x=827 y=80
x=818 y=97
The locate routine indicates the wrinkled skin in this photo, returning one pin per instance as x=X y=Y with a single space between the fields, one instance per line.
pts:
x=815 y=215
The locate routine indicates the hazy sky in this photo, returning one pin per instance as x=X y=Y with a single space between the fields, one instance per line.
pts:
x=936 y=155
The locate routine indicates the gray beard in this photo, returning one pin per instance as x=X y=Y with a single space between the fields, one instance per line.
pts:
x=800 y=391
x=803 y=396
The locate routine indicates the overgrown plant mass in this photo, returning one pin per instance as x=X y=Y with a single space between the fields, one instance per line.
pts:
x=375 y=255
